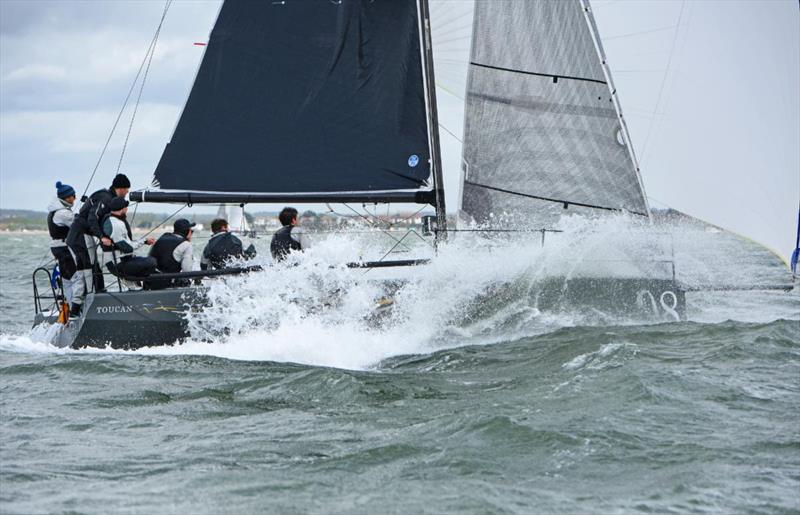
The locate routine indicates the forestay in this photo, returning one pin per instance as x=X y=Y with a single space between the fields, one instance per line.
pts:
x=312 y=99
x=542 y=127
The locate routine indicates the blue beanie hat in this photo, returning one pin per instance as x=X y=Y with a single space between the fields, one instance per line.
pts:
x=64 y=190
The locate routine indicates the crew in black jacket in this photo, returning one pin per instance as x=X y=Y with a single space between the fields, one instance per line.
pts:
x=85 y=232
x=223 y=247
x=288 y=238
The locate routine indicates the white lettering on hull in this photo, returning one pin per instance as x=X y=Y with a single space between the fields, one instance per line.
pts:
x=114 y=309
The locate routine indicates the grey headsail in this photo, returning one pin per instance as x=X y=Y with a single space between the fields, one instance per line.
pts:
x=542 y=125
x=305 y=99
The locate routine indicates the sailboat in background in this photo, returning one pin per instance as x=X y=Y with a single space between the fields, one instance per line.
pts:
x=237 y=220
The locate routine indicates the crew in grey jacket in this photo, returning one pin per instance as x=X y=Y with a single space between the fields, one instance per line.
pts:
x=59 y=220
x=118 y=256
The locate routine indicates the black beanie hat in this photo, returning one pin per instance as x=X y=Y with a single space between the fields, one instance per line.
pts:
x=121 y=181
x=117 y=203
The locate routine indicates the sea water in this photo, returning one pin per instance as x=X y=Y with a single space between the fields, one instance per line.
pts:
x=292 y=396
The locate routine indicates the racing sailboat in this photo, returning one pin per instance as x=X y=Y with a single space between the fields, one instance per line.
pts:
x=299 y=102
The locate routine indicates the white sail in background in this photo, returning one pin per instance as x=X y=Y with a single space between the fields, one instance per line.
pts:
x=234 y=214
x=542 y=130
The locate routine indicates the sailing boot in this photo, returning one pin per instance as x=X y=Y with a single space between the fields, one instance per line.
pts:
x=75 y=310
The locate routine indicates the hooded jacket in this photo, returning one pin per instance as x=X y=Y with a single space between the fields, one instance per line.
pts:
x=59 y=220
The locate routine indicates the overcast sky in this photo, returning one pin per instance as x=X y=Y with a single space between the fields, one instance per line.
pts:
x=710 y=90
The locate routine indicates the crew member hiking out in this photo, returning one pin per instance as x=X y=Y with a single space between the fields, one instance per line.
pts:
x=59 y=220
x=288 y=238
x=173 y=253
x=118 y=256
x=84 y=233
x=223 y=247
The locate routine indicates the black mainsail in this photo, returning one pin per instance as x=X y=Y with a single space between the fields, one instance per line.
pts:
x=307 y=101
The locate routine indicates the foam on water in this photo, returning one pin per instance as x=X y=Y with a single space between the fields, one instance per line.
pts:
x=478 y=290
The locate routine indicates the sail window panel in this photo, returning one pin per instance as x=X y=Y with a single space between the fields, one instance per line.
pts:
x=540 y=121
x=304 y=96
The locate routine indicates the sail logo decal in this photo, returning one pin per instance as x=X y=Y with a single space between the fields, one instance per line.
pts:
x=114 y=309
x=413 y=160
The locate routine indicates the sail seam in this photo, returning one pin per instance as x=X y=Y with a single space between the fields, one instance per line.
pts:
x=525 y=72
x=547 y=199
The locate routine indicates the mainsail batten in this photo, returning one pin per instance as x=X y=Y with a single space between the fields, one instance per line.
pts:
x=311 y=96
x=543 y=129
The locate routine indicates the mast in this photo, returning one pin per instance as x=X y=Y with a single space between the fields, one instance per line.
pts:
x=433 y=122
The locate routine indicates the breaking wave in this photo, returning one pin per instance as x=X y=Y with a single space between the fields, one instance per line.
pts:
x=480 y=289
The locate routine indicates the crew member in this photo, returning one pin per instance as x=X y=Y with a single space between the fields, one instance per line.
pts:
x=59 y=220
x=289 y=237
x=118 y=256
x=173 y=250
x=84 y=233
x=223 y=246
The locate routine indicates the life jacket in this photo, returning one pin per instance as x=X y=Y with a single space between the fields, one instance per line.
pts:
x=283 y=243
x=222 y=248
x=163 y=250
x=57 y=232
x=110 y=248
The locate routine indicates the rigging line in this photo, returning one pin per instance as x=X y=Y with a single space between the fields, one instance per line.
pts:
x=135 y=208
x=638 y=33
x=447 y=90
x=395 y=246
x=119 y=116
x=390 y=251
x=453 y=30
x=365 y=219
x=409 y=217
x=527 y=231
x=418 y=235
x=664 y=79
x=558 y=201
x=44 y=261
x=448 y=131
x=454 y=19
x=371 y=224
x=141 y=87
x=165 y=220
x=638 y=71
x=440 y=42
x=390 y=224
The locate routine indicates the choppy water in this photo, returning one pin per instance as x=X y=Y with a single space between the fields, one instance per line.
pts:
x=513 y=411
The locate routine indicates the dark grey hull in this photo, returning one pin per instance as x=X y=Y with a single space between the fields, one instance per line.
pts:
x=129 y=320
x=633 y=298
x=135 y=319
